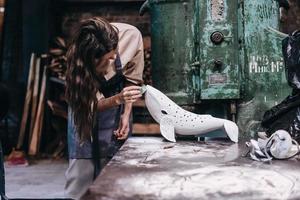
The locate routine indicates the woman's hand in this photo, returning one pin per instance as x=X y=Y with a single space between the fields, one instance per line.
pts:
x=122 y=132
x=127 y=96
x=130 y=94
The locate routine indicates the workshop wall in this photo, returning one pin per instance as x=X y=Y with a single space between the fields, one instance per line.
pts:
x=31 y=26
x=69 y=13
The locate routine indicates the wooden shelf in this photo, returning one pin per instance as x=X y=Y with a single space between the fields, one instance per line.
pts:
x=145 y=129
x=57 y=80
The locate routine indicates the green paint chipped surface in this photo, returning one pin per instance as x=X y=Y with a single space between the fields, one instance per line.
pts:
x=172 y=48
x=218 y=16
x=264 y=82
x=183 y=55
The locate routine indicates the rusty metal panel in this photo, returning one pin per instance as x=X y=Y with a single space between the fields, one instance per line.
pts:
x=172 y=48
x=218 y=60
x=264 y=83
x=264 y=62
x=219 y=50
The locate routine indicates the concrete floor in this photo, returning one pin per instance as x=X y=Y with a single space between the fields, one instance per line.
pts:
x=41 y=179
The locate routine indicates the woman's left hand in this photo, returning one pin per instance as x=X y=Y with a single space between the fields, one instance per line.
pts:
x=122 y=132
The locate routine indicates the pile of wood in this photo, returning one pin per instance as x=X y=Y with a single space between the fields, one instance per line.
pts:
x=58 y=64
x=33 y=111
x=40 y=108
x=56 y=142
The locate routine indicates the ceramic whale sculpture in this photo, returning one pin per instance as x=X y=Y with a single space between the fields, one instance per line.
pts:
x=173 y=119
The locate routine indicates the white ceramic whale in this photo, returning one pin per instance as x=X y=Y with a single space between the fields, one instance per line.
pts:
x=173 y=119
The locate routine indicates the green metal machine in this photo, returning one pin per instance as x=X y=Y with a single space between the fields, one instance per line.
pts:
x=221 y=57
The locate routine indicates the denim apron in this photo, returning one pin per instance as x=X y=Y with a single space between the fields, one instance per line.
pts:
x=104 y=144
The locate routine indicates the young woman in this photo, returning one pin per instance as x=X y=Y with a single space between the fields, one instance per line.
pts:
x=105 y=65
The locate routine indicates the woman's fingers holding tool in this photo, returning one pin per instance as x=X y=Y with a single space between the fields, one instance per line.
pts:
x=131 y=94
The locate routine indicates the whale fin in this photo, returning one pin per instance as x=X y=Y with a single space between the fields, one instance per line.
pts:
x=167 y=128
x=232 y=130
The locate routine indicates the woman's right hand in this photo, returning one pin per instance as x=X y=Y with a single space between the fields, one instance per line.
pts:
x=130 y=94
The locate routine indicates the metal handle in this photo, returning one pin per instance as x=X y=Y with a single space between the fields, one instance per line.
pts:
x=144 y=8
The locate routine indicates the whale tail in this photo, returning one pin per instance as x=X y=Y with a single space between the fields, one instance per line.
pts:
x=232 y=130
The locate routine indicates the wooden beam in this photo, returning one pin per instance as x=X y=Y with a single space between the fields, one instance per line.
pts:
x=57 y=109
x=145 y=129
x=35 y=96
x=28 y=98
x=38 y=124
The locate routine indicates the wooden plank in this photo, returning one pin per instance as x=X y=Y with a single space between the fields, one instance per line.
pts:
x=145 y=129
x=57 y=80
x=41 y=108
x=37 y=130
x=27 y=101
x=57 y=109
x=59 y=150
x=147 y=42
x=35 y=97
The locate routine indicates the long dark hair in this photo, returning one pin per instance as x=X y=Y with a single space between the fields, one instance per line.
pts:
x=94 y=38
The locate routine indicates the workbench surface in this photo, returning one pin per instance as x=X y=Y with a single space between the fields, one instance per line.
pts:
x=151 y=168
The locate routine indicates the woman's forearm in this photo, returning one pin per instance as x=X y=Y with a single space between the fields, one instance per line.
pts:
x=127 y=106
x=110 y=102
x=127 y=109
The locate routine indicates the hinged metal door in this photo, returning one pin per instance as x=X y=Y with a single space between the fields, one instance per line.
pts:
x=219 y=49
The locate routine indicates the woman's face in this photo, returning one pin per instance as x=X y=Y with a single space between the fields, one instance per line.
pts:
x=103 y=63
